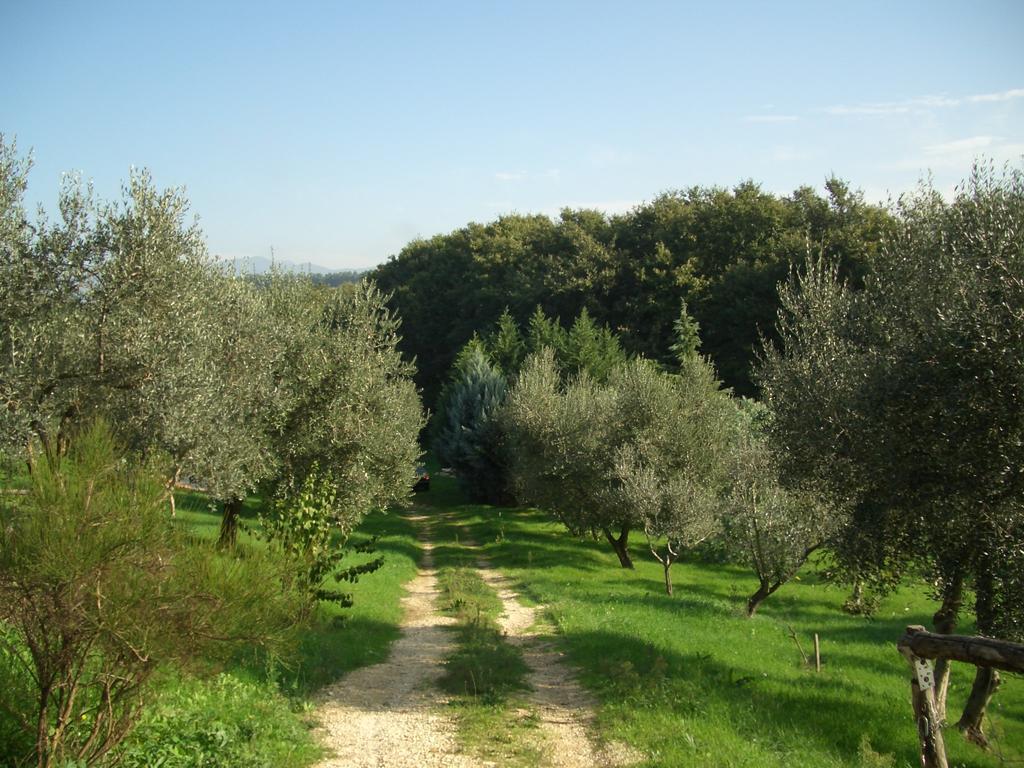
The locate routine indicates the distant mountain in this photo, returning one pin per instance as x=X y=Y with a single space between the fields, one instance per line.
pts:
x=259 y=264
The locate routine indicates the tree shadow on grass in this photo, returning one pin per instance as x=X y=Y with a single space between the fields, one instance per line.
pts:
x=509 y=546
x=829 y=716
x=328 y=651
x=394 y=546
x=682 y=605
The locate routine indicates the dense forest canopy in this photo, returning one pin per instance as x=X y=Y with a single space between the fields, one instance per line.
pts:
x=721 y=251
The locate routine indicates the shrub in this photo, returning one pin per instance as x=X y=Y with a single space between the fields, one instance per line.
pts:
x=309 y=528
x=97 y=588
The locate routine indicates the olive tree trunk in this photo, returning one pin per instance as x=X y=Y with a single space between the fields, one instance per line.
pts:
x=986 y=681
x=944 y=621
x=229 y=523
x=620 y=545
x=764 y=590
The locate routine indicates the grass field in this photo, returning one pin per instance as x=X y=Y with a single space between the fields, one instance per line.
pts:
x=485 y=676
x=690 y=681
x=344 y=638
x=687 y=680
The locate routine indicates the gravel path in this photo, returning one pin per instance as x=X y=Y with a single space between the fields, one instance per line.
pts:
x=392 y=715
x=565 y=710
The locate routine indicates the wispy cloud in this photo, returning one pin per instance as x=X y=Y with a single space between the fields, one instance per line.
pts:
x=1013 y=93
x=892 y=107
x=866 y=109
x=961 y=153
x=972 y=145
x=921 y=103
x=770 y=119
x=551 y=174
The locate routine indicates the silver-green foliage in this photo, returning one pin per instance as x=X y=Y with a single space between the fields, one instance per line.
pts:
x=560 y=447
x=354 y=410
x=117 y=310
x=18 y=312
x=469 y=437
x=908 y=397
x=642 y=450
x=669 y=468
x=108 y=311
x=771 y=528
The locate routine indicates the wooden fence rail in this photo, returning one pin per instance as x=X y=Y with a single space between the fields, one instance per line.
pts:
x=920 y=647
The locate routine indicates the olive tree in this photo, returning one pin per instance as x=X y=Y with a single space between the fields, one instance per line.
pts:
x=19 y=311
x=43 y=271
x=771 y=528
x=669 y=461
x=346 y=401
x=641 y=450
x=355 y=411
x=108 y=312
x=905 y=399
x=562 y=451
x=118 y=311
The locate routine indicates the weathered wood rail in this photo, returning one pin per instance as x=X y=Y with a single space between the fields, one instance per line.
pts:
x=920 y=647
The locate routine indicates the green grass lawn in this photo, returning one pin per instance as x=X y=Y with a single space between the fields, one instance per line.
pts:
x=690 y=681
x=485 y=676
x=342 y=639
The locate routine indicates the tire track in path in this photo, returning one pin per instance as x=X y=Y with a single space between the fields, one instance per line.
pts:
x=564 y=709
x=391 y=715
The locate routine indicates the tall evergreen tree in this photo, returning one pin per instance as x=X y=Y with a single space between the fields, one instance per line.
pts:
x=469 y=437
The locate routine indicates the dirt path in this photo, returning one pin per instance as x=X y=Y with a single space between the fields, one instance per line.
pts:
x=389 y=715
x=565 y=711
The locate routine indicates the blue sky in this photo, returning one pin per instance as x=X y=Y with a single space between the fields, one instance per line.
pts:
x=336 y=132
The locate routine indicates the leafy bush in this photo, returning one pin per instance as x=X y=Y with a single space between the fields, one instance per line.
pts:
x=307 y=526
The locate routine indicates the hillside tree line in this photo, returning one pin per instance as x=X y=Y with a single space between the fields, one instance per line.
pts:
x=722 y=252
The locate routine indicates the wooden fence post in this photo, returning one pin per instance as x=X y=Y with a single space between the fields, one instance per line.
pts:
x=929 y=730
